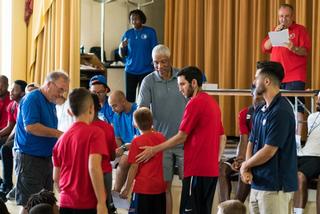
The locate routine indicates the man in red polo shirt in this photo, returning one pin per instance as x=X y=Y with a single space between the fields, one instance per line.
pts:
x=292 y=56
x=4 y=101
x=203 y=137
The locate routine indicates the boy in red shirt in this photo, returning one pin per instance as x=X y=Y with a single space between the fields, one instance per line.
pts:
x=112 y=145
x=77 y=159
x=149 y=187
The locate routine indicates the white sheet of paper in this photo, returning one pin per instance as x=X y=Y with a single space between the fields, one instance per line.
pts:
x=278 y=38
x=120 y=202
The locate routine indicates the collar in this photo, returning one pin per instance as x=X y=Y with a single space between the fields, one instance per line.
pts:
x=274 y=101
x=293 y=25
x=158 y=78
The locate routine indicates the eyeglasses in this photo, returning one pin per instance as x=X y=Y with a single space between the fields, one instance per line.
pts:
x=61 y=90
x=100 y=93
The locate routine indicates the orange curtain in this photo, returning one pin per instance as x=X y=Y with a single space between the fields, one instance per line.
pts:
x=54 y=40
x=224 y=38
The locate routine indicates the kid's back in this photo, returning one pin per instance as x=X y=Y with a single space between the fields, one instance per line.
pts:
x=149 y=179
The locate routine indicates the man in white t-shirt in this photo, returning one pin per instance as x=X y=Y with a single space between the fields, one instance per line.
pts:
x=308 y=161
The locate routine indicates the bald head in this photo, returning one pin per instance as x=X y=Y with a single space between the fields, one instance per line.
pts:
x=117 y=100
x=117 y=95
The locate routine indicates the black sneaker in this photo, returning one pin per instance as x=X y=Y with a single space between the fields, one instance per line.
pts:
x=3 y=196
x=112 y=209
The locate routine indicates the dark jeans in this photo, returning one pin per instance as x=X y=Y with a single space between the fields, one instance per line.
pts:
x=296 y=85
x=7 y=165
x=132 y=81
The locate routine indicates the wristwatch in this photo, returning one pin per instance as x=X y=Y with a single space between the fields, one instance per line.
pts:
x=295 y=49
x=124 y=148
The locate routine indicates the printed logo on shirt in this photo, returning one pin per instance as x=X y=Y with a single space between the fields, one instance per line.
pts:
x=264 y=122
x=144 y=36
x=292 y=36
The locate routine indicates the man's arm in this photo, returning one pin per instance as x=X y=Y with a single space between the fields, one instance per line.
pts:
x=7 y=130
x=242 y=147
x=246 y=175
x=56 y=177
x=249 y=150
x=262 y=156
x=149 y=151
x=144 y=98
x=96 y=175
x=40 y=130
x=122 y=48
x=223 y=140
x=267 y=45
x=301 y=51
x=131 y=175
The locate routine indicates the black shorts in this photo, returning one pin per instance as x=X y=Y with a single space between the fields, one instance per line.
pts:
x=76 y=211
x=296 y=85
x=309 y=166
x=148 y=204
x=34 y=174
x=197 y=194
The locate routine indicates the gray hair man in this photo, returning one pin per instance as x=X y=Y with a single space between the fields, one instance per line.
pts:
x=159 y=91
x=36 y=134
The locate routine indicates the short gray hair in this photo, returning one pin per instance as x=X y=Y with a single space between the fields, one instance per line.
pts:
x=55 y=75
x=161 y=50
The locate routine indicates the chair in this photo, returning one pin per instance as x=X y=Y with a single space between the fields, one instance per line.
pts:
x=97 y=52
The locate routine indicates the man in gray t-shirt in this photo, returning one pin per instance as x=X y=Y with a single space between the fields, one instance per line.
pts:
x=159 y=91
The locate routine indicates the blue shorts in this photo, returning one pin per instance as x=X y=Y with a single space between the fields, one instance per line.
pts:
x=295 y=85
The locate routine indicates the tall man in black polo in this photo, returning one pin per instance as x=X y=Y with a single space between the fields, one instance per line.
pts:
x=271 y=161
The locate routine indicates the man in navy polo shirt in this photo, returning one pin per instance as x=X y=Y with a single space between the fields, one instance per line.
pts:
x=36 y=134
x=98 y=85
x=271 y=161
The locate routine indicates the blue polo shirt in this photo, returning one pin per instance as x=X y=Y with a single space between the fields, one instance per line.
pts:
x=275 y=126
x=123 y=125
x=139 y=49
x=35 y=108
x=106 y=113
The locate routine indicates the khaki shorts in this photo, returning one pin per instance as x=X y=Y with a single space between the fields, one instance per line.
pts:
x=269 y=202
x=171 y=158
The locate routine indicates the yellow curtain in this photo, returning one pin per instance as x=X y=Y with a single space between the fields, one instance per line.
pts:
x=224 y=38
x=54 y=40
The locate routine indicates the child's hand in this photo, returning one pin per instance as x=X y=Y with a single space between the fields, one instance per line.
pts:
x=102 y=208
x=124 y=193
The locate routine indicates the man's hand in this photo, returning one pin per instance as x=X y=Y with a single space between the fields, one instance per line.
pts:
x=124 y=43
x=289 y=45
x=145 y=155
x=237 y=163
x=119 y=152
x=280 y=27
x=102 y=208
x=246 y=175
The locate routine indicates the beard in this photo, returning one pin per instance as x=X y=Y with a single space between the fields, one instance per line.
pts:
x=189 y=92
x=260 y=90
